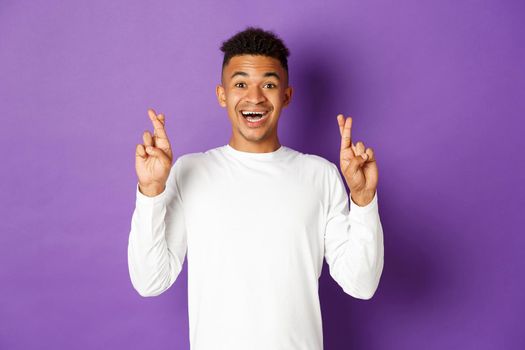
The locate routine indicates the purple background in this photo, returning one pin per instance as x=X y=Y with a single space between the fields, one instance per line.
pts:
x=436 y=88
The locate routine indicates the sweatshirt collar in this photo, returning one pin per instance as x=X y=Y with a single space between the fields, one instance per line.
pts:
x=255 y=155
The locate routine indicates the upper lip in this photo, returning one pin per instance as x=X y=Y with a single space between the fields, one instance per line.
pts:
x=256 y=111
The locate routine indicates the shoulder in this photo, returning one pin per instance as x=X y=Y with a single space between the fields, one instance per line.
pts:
x=317 y=162
x=316 y=168
x=195 y=159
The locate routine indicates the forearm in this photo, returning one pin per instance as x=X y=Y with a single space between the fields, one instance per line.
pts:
x=148 y=254
x=354 y=250
x=365 y=248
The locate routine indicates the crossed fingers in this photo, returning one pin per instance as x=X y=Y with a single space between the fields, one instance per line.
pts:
x=345 y=130
x=159 y=137
x=158 y=124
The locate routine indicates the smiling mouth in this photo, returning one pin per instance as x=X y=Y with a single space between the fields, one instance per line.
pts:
x=253 y=116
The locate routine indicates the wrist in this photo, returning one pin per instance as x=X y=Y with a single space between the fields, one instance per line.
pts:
x=362 y=200
x=151 y=190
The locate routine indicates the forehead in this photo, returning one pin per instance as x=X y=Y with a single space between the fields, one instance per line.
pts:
x=253 y=65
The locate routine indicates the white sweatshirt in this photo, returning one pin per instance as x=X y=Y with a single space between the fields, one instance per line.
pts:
x=255 y=228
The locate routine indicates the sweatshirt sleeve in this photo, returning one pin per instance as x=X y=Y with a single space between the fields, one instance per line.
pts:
x=157 y=240
x=353 y=241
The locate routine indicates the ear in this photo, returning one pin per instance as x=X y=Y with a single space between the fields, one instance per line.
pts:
x=288 y=95
x=221 y=97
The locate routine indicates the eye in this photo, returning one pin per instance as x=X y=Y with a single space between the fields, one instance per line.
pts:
x=237 y=84
x=272 y=85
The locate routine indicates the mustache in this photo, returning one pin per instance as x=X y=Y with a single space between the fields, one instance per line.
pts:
x=255 y=106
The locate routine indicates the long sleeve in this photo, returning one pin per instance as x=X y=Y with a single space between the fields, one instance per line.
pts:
x=353 y=241
x=158 y=240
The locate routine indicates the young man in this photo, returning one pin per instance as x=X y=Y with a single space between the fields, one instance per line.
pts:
x=256 y=218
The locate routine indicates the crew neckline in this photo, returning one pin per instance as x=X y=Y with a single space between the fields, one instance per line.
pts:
x=255 y=155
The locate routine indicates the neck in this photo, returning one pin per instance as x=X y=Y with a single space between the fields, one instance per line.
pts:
x=255 y=147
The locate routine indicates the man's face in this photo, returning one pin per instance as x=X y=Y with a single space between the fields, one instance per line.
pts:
x=258 y=84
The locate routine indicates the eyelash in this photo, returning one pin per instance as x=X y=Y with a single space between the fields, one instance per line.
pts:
x=274 y=86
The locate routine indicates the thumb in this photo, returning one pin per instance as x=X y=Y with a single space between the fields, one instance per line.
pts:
x=159 y=154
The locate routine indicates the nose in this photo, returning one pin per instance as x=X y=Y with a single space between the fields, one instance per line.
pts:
x=255 y=95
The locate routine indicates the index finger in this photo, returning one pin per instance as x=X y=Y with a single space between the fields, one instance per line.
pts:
x=158 y=125
x=346 y=135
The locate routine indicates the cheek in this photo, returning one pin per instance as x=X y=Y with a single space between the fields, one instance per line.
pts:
x=233 y=99
x=277 y=97
x=277 y=100
x=232 y=105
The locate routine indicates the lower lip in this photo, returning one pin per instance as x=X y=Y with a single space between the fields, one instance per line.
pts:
x=256 y=123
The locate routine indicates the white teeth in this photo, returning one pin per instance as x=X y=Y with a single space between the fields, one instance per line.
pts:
x=253 y=116
x=252 y=113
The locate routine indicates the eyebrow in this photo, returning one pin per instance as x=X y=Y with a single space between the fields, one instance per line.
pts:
x=267 y=74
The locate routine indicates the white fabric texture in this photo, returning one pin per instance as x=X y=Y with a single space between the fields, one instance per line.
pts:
x=255 y=228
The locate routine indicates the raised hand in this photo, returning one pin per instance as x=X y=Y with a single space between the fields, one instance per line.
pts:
x=358 y=164
x=153 y=159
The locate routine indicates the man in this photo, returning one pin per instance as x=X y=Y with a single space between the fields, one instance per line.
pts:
x=256 y=218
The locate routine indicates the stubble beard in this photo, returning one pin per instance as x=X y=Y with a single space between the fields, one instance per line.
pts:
x=252 y=138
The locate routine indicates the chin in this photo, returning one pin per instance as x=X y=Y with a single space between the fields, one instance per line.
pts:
x=252 y=135
x=252 y=138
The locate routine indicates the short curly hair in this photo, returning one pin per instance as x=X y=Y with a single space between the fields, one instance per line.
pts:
x=255 y=41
